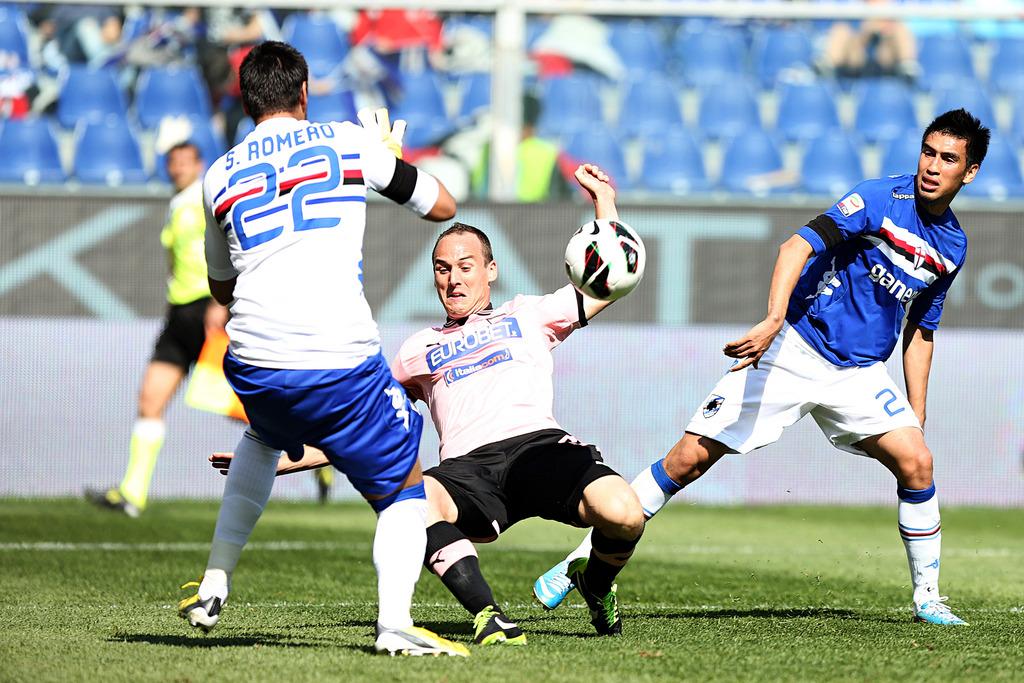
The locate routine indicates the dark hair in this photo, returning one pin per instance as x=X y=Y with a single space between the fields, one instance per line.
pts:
x=960 y=123
x=462 y=229
x=187 y=144
x=271 y=78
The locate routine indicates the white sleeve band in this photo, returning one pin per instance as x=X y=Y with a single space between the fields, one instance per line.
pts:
x=425 y=194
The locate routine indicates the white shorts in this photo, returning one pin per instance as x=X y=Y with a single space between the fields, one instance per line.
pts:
x=750 y=408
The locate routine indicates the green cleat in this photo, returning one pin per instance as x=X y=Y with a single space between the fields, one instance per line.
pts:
x=492 y=628
x=604 y=609
x=113 y=500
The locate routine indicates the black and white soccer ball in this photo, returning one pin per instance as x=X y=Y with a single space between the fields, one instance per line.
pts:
x=605 y=259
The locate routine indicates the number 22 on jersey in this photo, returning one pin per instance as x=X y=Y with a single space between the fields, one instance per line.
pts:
x=309 y=176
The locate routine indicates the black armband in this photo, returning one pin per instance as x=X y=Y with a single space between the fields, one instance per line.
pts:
x=826 y=229
x=579 y=308
x=402 y=184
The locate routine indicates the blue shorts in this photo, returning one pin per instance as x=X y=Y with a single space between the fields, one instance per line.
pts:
x=360 y=418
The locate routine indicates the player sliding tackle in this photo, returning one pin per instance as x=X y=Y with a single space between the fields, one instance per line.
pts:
x=485 y=374
x=888 y=250
x=286 y=210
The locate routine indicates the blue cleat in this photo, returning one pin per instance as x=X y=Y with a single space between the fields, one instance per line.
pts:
x=936 y=612
x=553 y=586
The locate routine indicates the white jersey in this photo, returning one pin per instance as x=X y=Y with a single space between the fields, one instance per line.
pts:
x=286 y=211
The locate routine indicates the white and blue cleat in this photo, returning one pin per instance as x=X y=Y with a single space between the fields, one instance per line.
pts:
x=551 y=588
x=936 y=612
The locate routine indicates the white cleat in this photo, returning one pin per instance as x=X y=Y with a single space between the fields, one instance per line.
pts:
x=201 y=614
x=416 y=642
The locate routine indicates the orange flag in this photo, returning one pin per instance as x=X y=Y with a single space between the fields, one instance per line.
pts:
x=208 y=389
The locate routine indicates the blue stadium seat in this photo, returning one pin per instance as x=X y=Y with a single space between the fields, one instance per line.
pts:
x=640 y=46
x=339 y=106
x=170 y=91
x=107 y=153
x=777 y=49
x=1000 y=176
x=1005 y=73
x=945 y=61
x=806 y=111
x=649 y=105
x=476 y=95
x=673 y=164
x=885 y=109
x=89 y=95
x=210 y=143
x=1017 y=119
x=724 y=112
x=749 y=155
x=831 y=165
x=29 y=152
x=422 y=106
x=13 y=38
x=245 y=126
x=600 y=146
x=567 y=104
x=319 y=40
x=711 y=57
x=971 y=97
x=902 y=153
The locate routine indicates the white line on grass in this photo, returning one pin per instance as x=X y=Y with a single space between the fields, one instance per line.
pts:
x=298 y=546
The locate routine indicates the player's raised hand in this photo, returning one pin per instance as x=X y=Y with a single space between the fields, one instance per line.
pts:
x=379 y=121
x=595 y=181
x=751 y=346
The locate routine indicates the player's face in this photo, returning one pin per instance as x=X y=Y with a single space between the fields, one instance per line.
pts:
x=183 y=167
x=462 y=277
x=942 y=168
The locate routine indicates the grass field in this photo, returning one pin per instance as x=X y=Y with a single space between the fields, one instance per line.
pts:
x=796 y=593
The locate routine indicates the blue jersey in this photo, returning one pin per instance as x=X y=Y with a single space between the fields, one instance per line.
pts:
x=878 y=258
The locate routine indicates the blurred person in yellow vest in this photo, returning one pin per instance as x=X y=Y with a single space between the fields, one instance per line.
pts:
x=539 y=163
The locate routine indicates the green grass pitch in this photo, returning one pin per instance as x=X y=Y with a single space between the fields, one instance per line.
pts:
x=765 y=593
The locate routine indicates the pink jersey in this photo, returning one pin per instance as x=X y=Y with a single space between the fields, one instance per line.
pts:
x=490 y=378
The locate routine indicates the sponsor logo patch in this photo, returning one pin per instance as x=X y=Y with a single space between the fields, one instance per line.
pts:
x=477 y=339
x=851 y=205
x=452 y=375
x=713 y=405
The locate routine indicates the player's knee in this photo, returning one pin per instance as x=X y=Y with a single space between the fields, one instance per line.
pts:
x=916 y=468
x=622 y=516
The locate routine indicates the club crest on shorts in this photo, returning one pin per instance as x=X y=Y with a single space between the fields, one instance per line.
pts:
x=714 y=403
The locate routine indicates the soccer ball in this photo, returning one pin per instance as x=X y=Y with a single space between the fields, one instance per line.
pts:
x=605 y=259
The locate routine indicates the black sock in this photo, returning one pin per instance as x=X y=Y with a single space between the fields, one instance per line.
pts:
x=600 y=575
x=453 y=558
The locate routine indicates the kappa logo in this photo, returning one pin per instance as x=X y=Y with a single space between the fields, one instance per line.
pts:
x=713 y=405
x=900 y=195
x=851 y=205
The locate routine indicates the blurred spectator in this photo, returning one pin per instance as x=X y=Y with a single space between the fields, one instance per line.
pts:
x=16 y=75
x=541 y=167
x=570 y=41
x=870 y=48
x=80 y=34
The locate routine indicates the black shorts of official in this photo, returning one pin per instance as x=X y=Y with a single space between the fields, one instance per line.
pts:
x=183 y=335
x=541 y=474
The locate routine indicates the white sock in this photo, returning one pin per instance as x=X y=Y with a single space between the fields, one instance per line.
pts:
x=246 y=492
x=654 y=488
x=398 y=549
x=921 y=531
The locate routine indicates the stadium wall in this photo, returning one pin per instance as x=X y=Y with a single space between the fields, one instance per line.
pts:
x=81 y=295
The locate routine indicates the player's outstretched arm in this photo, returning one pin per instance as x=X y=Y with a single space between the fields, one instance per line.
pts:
x=793 y=255
x=406 y=184
x=598 y=185
x=312 y=459
x=918 y=345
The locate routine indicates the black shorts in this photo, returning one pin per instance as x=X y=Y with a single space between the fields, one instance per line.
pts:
x=183 y=335
x=541 y=474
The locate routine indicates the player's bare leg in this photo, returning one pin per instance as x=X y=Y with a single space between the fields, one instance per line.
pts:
x=612 y=508
x=453 y=558
x=690 y=458
x=159 y=383
x=904 y=453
